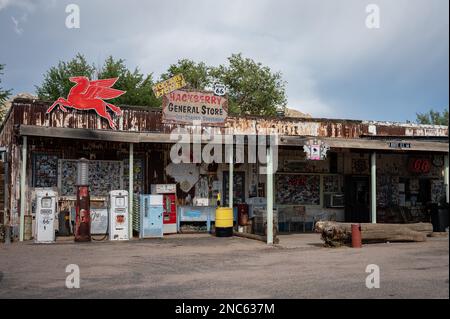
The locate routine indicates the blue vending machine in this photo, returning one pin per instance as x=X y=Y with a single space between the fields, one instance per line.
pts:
x=151 y=213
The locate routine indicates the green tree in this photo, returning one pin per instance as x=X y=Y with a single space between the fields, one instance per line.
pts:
x=252 y=88
x=138 y=87
x=433 y=117
x=196 y=74
x=56 y=80
x=4 y=94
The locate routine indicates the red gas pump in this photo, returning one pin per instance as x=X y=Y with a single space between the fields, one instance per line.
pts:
x=170 y=214
x=169 y=205
x=82 y=218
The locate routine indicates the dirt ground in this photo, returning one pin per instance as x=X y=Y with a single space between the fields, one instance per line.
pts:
x=203 y=266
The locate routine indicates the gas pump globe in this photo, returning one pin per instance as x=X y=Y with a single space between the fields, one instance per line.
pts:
x=83 y=218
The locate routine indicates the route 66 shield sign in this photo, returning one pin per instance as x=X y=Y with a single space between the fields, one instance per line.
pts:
x=219 y=89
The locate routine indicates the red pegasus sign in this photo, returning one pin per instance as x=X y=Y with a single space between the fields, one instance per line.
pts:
x=89 y=95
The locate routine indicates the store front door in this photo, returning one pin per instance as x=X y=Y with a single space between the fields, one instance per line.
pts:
x=357 y=199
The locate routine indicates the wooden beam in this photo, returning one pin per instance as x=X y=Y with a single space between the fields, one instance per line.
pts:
x=372 y=144
x=78 y=133
x=156 y=137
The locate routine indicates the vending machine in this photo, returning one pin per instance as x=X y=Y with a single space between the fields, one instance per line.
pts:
x=45 y=216
x=151 y=216
x=169 y=192
x=118 y=215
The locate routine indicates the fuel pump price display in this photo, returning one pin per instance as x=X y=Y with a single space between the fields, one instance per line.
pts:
x=226 y=309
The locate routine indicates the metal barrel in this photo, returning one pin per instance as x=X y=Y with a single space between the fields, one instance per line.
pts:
x=224 y=222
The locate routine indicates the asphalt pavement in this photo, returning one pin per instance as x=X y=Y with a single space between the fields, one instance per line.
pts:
x=203 y=266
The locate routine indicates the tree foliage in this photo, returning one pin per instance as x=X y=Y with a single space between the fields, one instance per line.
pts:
x=4 y=94
x=139 y=87
x=196 y=74
x=56 y=80
x=433 y=117
x=252 y=88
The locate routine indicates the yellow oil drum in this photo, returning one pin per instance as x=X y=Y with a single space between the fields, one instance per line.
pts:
x=224 y=222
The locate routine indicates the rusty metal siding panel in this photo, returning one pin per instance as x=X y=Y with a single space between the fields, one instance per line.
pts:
x=383 y=130
x=7 y=132
x=141 y=120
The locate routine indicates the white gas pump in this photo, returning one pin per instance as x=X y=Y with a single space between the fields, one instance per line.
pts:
x=118 y=215
x=45 y=216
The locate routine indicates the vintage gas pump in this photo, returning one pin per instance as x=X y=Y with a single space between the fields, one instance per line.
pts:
x=118 y=215
x=169 y=192
x=45 y=216
x=83 y=218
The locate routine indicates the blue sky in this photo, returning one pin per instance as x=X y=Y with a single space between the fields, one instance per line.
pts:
x=333 y=64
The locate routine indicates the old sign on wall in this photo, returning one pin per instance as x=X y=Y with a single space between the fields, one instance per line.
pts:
x=90 y=95
x=316 y=150
x=174 y=83
x=185 y=107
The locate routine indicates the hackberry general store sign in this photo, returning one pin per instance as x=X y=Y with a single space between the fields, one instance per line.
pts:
x=185 y=107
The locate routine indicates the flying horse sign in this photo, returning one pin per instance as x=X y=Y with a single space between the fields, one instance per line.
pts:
x=90 y=95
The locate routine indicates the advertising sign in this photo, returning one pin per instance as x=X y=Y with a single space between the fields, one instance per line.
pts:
x=90 y=95
x=419 y=165
x=170 y=85
x=185 y=107
x=165 y=188
x=315 y=150
x=219 y=89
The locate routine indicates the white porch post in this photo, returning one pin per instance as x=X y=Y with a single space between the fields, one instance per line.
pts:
x=230 y=177
x=22 y=188
x=130 y=190
x=373 y=187
x=269 y=187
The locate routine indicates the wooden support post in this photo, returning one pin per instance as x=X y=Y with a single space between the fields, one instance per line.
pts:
x=269 y=187
x=446 y=178
x=373 y=187
x=130 y=190
x=23 y=199
x=230 y=178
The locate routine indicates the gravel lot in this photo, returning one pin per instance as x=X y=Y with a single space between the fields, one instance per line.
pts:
x=202 y=266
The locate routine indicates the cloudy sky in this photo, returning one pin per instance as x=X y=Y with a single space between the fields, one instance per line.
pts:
x=333 y=64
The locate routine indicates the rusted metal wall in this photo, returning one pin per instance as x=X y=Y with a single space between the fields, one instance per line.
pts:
x=404 y=129
x=9 y=139
x=140 y=120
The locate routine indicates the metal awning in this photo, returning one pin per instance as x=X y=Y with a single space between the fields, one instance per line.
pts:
x=155 y=137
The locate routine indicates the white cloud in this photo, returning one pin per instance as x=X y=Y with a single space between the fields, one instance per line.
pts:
x=17 y=29
x=17 y=22
x=27 y=5
x=4 y=3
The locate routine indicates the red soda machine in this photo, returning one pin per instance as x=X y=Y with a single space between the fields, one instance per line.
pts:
x=82 y=218
x=169 y=192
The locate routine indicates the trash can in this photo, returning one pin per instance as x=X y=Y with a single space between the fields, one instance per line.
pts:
x=224 y=222
x=439 y=217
